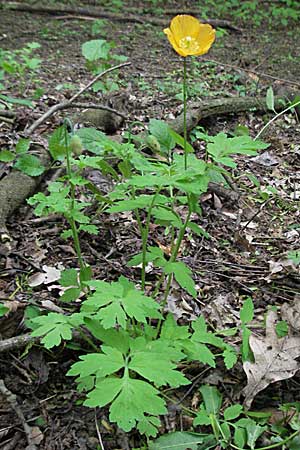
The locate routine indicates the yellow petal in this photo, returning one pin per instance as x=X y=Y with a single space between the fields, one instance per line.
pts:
x=184 y=25
x=173 y=42
x=205 y=38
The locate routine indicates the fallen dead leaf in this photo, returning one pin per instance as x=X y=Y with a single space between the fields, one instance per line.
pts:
x=275 y=359
x=291 y=314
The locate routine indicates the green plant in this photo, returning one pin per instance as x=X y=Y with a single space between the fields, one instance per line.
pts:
x=21 y=63
x=132 y=340
x=133 y=349
x=26 y=163
x=99 y=26
x=98 y=57
x=234 y=427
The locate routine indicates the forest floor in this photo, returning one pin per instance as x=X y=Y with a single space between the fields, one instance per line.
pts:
x=247 y=254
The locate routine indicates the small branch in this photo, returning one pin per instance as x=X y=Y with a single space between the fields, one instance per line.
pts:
x=98 y=432
x=100 y=75
x=69 y=103
x=259 y=74
x=86 y=13
x=17 y=342
x=12 y=400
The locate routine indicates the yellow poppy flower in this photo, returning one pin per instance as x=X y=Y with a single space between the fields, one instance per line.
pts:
x=188 y=36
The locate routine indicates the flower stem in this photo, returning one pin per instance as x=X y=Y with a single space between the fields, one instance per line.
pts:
x=184 y=112
x=70 y=218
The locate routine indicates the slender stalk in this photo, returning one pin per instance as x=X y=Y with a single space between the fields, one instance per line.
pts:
x=277 y=444
x=172 y=259
x=70 y=219
x=175 y=254
x=184 y=112
x=144 y=234
x=276 y=117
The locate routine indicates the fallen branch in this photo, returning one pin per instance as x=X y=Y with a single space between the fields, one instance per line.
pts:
x=221 y=106
x=79 y=13
x=253 y=71
x=70 y=102
x=15 y=187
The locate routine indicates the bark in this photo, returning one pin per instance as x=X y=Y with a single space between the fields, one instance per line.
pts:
x=221 y=106
x=15 y=187
x=100 y=13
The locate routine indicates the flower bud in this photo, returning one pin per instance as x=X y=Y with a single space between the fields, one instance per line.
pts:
x=76 y=145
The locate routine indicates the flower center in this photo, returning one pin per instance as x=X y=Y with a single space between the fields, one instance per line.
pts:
x=189 y=43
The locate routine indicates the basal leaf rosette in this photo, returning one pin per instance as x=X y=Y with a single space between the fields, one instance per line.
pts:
x=189 y=37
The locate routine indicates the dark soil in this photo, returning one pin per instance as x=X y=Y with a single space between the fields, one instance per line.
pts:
x=236 y=262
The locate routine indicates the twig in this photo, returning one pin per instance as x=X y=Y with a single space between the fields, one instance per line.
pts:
x=94 y=106
x=255 y=214
x=69 y=103
x=12 y=399
x=98 y=432
x=260 y=74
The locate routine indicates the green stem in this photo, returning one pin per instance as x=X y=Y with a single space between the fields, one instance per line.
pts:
x=72 y=194
x=184 y=112
x=88 y=340
x=276 y=117
x=145 y=238
x=173 y=259
x=278 y=444
x=175 y=254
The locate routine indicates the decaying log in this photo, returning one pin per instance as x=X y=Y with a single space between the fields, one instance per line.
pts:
x=100 y=13
x=221 y=106
x=15 y=187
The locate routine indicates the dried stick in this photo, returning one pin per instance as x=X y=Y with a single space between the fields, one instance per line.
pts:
x=259 y=74
x=17 y=342
x=12 y=399
x=69 y=103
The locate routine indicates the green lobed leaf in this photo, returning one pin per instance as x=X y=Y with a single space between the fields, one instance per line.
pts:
x=98 y=364
x=3 y=310
x=55 y=328
x=17 y=101
x=70 y=295
x=105 y=391
x=233 y=412
x=282 y=328
x=246 y=351
x=182 y=274
x=202 y=418
x=165 y=216
x=182 y=440
x=161 y=131
x=30 y=165
x=95 y=141
x=118 y=339
x=22 y=146
x=240 y=437
x=96 y=49
x=247 y=311
x=158 y=368
x=212 y=399
x=57 y=143
x=230 y=357
x=6 y=156
x=199 y=352
x=68 y=277
x=135 y=399
x=114 y=302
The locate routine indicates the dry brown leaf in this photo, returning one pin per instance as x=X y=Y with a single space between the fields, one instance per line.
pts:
x=275 y=359
x=291 y=314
